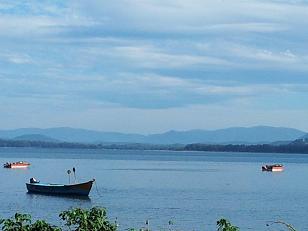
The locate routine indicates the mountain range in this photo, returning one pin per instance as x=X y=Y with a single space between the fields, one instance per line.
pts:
x=233 y=135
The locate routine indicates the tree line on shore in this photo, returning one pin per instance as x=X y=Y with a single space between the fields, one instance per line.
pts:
x=294 y=147
x=94 y=219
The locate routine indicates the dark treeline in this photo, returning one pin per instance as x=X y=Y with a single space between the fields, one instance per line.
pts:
x=44 y=144
x=295 y=147
x=265 y=148
x=124 y=146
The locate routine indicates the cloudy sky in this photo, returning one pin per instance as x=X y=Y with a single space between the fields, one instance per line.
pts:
x=152 y=65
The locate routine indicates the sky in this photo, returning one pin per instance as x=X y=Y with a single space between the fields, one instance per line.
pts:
x=147 y=66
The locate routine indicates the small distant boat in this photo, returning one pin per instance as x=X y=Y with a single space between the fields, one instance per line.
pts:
x=273 y=168
x=80 y=189
x=19 y=164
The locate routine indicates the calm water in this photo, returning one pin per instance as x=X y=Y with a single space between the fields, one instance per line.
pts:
x=193 y=189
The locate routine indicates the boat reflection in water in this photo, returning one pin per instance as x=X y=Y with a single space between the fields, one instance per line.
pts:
x=58 y=197
x=273 y=168
x=80 y=189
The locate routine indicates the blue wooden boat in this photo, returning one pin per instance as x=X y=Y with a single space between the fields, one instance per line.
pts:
x=81 y=189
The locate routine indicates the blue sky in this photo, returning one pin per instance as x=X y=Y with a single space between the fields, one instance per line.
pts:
x=152 y=65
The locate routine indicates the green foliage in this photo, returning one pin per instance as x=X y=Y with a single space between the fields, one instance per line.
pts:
x=77 y=219
x=94 y=219
x=225 y=225
x=43 y=226
x=22 y=222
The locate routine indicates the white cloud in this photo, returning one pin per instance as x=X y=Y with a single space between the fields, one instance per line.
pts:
x=84 y=55
x=152 y=57
x=39 y=26
x=283 y=57
x=150 y=83
x=16 y=58
x=182 y=15
x=245 y=27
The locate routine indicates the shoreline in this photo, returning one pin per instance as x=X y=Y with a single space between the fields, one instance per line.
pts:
x=296 y=147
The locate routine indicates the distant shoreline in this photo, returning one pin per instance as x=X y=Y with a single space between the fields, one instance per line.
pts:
x=297 y=147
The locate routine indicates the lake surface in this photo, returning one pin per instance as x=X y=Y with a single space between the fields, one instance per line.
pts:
x=193 y=189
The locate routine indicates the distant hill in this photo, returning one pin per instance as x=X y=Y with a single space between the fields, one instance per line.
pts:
x=35 y=137
x=286 y=142
x=72 y=135
x=234 y=135
x=305 y=136
x=301 y=141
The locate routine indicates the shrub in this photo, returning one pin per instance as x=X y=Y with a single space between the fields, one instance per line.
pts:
x=94 y=219
x=225 y=225
x=22 y=222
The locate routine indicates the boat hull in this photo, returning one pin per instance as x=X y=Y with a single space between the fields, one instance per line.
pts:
x=277 y=169
x=273 y=168
x=20 y=164
x=82 y=189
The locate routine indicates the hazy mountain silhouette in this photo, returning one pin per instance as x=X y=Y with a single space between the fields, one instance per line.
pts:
x=35 y=137
x=234 y=135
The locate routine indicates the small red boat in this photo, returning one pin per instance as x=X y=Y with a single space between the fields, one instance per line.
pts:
x=19 y=164
x=273 y=168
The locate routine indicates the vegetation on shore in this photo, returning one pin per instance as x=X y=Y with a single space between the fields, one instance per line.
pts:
x=256 y=148
x=94 y=219
x=294 y=147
